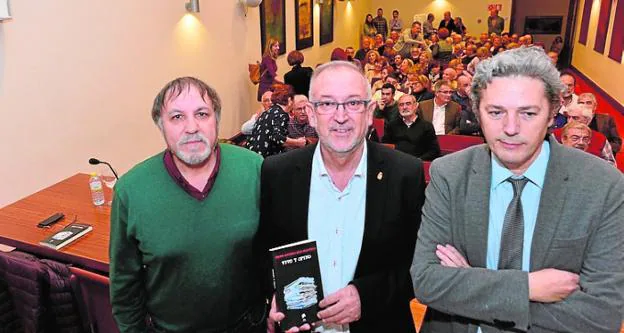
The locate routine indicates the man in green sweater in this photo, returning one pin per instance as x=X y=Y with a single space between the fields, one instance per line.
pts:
x=183 y=224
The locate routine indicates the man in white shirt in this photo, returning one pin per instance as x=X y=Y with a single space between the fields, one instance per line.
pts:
x=568 y=96
x=443 y=113
x=358 y=199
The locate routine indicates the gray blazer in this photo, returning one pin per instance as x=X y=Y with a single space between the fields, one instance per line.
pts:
x=579 y=228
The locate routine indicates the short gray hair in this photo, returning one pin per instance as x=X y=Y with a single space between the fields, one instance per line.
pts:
x=529 y=62
x=333 y=65
x=174 y=89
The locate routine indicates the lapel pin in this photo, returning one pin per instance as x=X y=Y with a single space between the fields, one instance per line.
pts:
x=380 y=175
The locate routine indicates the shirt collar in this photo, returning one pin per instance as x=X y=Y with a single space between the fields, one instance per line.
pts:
x=535 y=173
x=319 y=164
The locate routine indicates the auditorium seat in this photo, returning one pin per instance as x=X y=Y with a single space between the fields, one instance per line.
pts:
x=452 y=143
x=93 y=290
x=378 y=124
x=426 y=166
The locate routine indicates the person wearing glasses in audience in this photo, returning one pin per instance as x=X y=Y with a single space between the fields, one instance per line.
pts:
x=443 y=113
x=521 y=234
x=299 y=126
x=358 y=199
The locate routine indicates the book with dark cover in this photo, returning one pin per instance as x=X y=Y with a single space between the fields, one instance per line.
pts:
x=297 y=282
x=69 y=234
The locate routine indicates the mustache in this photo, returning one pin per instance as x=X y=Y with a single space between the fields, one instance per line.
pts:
x=193 y=137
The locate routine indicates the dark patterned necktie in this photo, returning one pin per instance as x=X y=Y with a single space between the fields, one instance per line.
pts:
x=512 y=238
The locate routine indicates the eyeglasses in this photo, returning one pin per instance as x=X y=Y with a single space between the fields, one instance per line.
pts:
x=576 y=138
x=329 y=107
x=446 y=92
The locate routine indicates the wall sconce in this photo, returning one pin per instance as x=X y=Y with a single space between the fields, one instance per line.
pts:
x=249 y=3
x=5 y=11
x=192 y=6
x=320 y=2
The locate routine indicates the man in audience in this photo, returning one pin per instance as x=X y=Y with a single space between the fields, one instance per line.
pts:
x=443 y=113
x=359 y=200
x=298 y=126
x=568 y=98
x=394 y=81
x=554 y=57
x=248 y=126
x=176 y=220
x=409 y=38
x=447 y=22
x=410 y=133
x=360 y=55
x=496 y=24
x=468 y=123
x=576 y=135
x=396 y=24
x=599 y=146
x=387 y=107
x=519 y=253
x=602 y=122
x=381 y=23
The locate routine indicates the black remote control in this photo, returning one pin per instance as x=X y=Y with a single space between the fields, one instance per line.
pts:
x=51 y=220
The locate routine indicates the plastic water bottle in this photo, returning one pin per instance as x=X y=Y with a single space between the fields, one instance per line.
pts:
x=97 y=191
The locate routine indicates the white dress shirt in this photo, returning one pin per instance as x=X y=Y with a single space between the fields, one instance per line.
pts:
x=336 y=222
x=438 y=118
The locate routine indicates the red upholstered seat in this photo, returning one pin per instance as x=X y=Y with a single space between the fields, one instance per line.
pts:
x=452 y=143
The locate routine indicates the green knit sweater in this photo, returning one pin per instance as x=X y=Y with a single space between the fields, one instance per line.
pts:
x=186 y=263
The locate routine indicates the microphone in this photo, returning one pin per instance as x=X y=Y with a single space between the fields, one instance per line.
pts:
x=95 y=161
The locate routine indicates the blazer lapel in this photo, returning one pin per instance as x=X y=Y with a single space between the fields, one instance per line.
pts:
x=477 y=209
x=552 y=201
x=376 y=186
x=428 y=111
x=300 y=194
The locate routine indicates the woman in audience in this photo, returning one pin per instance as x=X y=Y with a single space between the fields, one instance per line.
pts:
x=376 y=74
x=369 y=29
x=435 y=72
x=424 y=60
x=406 y=64
x=268 y=67
x=557 y=45
x=427 y=26
x=421 y=88
x=271 y=130
x=460 y=28
x=298 y=77
x=371 y=57
x=387 y=70
x=482 y=54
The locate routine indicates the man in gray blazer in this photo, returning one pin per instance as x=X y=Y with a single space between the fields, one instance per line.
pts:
x=515 y=236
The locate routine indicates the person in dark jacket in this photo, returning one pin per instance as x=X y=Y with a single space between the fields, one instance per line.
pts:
x=298 y=77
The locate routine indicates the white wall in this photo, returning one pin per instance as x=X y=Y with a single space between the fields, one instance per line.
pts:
x=77 y=78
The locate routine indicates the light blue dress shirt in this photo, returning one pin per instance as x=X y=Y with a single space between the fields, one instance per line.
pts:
x=501 y=194
x=336 y=222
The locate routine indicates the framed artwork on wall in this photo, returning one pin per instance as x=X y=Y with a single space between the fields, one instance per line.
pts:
x=273 y=23
x=327 y=22
x=304 y=30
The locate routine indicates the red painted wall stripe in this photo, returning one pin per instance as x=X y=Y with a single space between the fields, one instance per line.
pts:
x=585 y=21
x=603 y=26
x=617 y=36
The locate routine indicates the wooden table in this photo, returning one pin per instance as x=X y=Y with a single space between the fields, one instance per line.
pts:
x=18 y=223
